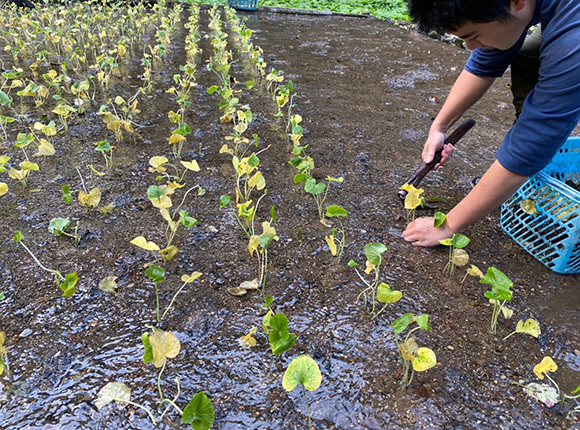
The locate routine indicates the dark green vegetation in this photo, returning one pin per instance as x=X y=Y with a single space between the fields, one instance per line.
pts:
x=384 y=9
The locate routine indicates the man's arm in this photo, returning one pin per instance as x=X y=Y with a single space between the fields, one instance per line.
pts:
x=495 y=187
x=467 y=90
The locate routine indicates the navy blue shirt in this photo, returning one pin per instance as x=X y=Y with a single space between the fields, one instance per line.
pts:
x=552 y=109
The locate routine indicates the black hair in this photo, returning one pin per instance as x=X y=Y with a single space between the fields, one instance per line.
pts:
x=448 y=15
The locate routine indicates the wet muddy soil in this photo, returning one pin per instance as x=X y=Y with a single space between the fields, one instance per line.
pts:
x=367 y=91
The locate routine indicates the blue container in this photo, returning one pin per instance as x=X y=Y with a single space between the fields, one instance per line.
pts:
x=243 y=4
x=552 y=235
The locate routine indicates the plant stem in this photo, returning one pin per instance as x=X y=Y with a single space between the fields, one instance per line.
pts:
x=307 y=407
x=54 y=272
x=172 y=402
x=159 y=380
x=139 y=406
x=509 y=335
x=173 y=299
x=157 y=300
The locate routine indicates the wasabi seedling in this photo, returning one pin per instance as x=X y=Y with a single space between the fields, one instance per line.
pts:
x=65 y=283
x=412 y=357
x=335 y=211
x=276 y=327
x=159 y=346
x=105 y=148
x=22 y=174
x=303 y=370
x=413 y=200
x=500 y=292
x=457 y=255
x=57 y=226
x=376 y=291
x=318 y=190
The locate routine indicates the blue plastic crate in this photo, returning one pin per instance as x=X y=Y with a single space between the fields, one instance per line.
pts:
x=243 y=4
x=552 y=235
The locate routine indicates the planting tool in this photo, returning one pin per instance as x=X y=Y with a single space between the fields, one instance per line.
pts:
x=427 y=167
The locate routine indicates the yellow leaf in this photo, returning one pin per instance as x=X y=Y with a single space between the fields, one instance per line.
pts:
x=226 y=150
x=460 y=257
x=425 y=359
x=228 y=117
x=409 y=349
x=531 y=327
x=474 y=271
x=237 y=291
x=331 y=244
x=167 y=217
x=241 y=127
x=257 y=181
x=412 y=199
x=43 y=91
x=29 y=165
x=52 y=74
x=529 y=207
x=190 y=278
x=165 y=345
x=242 y=207
x=168 y=190
x=507 y=312
x=268 y=229
x=248 y=340
x=169 y=253
x=191 y=165
x=45 y=148
x=546 y=365
x=176 y=138
x=156 y=162
x=115 y=125
x=174 y=117
x=108 y=284
x=175 y=185
x=18 y=174
x=254 y=284
x=369 y=268
x=3 y=188
x=107 y=209
x=253 y=244
x=141 y=242
x=91 y=200
x=128 y=127
x=162 y=202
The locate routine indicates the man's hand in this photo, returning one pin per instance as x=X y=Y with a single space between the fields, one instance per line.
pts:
x=421 y=232
x=494 y=188
x=434 y=142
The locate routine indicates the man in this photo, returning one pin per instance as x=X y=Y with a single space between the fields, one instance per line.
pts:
x=495 y=31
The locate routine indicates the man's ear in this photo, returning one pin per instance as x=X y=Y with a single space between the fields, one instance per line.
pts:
x=518 y=5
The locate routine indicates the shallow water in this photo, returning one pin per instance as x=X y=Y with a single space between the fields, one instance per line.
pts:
x=367 y=91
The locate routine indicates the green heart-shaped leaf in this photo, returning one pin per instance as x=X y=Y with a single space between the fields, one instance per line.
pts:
x=302 y=370
x=199 y=412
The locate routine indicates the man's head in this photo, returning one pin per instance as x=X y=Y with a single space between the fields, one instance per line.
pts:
x=486 y=24
x=448 y=15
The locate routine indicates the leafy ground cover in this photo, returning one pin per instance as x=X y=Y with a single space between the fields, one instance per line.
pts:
x=243 y=216
x=384 y=9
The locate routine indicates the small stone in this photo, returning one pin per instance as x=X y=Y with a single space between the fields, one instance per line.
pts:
x=25 y=333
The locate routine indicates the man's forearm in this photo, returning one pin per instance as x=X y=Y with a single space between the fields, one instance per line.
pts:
x=494 y=188
x=467 y=90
